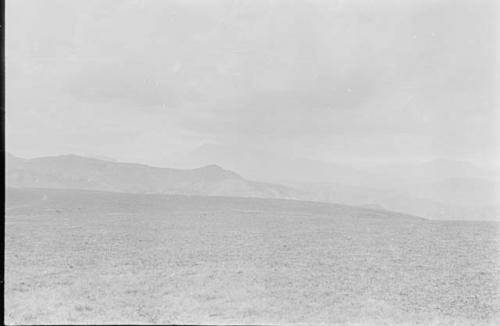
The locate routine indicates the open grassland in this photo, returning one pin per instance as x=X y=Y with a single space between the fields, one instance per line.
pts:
x=91 y=257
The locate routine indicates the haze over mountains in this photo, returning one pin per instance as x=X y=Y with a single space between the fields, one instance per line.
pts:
x=338 y=101
x=267 y=166
x=440 y=189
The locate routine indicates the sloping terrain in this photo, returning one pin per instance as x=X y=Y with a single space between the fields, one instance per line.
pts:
x=467 y=191
x=437 y=189
x=76 y=172
x=75 y=256
x=22 y=201
x=470 y=198
x=449 y=200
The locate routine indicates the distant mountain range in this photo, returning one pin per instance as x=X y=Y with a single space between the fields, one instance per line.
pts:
x=472 y=200
x=77 y=172
x=438 y=189
x=271 y=167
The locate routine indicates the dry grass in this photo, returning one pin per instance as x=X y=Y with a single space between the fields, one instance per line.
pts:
x=105 y=258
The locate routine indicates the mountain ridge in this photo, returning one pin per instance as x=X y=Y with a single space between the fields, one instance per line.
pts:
x=451 y=198
x=78 y=172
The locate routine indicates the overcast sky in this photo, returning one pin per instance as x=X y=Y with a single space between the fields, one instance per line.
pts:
x=146 y=81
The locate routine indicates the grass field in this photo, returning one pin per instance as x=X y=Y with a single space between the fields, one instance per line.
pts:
x=91 y=257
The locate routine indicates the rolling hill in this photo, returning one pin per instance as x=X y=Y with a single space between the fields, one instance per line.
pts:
x=77 y=172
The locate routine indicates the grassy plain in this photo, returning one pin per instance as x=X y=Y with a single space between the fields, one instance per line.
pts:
x=95 y=257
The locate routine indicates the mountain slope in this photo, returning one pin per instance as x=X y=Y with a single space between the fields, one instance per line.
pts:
x=452 y=199
x=260 y=165
x=76 y=172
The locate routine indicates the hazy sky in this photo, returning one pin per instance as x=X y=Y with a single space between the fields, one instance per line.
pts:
x=331 y=80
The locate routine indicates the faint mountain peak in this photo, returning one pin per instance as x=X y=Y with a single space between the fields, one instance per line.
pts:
x=78 y=172
x=214 y=170
x=211 y=167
